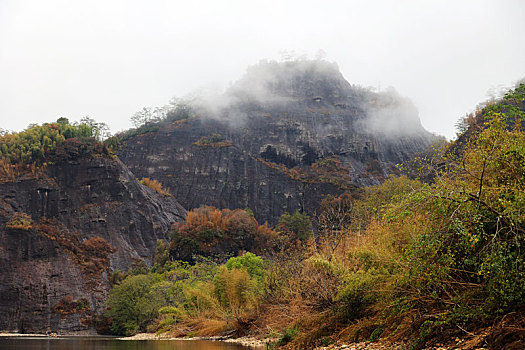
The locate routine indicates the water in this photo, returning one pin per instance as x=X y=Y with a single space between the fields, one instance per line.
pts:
x=107 y=343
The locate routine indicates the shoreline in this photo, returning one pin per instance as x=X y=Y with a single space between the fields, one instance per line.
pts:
x=246 y=341
x=44 y=335
x=22 y=335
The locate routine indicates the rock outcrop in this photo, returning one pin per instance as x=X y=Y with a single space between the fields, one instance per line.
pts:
x=278 y=140
x=63 y=233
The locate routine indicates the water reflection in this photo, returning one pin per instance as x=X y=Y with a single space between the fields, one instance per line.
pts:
x=102 y=343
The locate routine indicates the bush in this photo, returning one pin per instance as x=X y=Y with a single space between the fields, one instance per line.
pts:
x=20 y=221
x=235 y=290
x=210 y=232
x=298 y=225
x=252 y=263
x=154 y=185
x=214 y=141
x=132 y=306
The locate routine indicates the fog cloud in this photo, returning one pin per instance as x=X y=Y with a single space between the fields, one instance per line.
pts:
x=108 y=59
x=390 y=114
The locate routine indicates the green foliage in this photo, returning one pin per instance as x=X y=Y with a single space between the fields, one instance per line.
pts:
x=162 y=255
x=410 y=255
x=152 y=119
x=376 y=334
x=53 y=142
x=252 y=263
x=327 y=341
x=133 y=304
x=19 y=221
x=478 y=226
x=174 y=292
x=299 y=225
x=288 y=335
x=113 y=144
x=235 y=289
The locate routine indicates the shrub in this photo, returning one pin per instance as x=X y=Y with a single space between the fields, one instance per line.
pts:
x=20 y=221
x=68 y=306
x=132 y=305
x=214 y=141
x=252 y=263
x=298 y=225
x=154 y=185
x=235 y=290
x=210 y=232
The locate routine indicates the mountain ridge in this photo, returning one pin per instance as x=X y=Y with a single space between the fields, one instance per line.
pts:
x=283 y=122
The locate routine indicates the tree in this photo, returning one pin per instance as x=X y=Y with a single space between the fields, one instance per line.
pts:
x=148 y=115
x=162 y=254
x=63 y=121
x=335 y=219
x=298 y=224
x=472 y=242
x=132 y=305
x=100 y=130
x=208 y=231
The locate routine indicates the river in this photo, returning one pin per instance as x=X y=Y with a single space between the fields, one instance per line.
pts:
x=108 y=343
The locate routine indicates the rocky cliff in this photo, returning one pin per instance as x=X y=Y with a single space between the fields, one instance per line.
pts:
x=278 y=140
x=64 y=231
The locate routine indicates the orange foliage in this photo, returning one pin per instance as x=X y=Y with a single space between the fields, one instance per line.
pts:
x=214 y=141
x=329 y=170
x=92 y=255
x=67 y=306
x=10 y=172
x=212 y=231
x=154 y=185
x=202 y=219
x=20 y=221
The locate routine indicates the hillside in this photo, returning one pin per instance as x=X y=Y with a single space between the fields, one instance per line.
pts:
x=406 y=265
x=70 y=216
x=279 y=139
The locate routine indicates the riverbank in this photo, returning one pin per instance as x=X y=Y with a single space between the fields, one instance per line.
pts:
x=245 y=341
x=457 y=344
x=463 y=344
x=87 y=333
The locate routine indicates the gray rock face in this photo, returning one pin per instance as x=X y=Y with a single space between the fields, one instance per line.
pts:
x=55 y=269
x=291 y=133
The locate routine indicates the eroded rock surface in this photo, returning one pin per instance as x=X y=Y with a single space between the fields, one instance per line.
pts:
x=278 y=140
x=61 y=236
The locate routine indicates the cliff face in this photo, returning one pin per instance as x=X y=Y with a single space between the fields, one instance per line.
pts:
x=278 y=140
x=63 y=233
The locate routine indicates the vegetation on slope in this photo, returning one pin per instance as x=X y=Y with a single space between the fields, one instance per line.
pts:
x=406 y=260
x=57 y=142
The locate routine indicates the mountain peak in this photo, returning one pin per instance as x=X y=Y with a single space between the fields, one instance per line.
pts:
x=272 y=80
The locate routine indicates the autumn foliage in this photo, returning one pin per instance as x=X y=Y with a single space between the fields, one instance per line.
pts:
x=208 y=231
x=155 y=185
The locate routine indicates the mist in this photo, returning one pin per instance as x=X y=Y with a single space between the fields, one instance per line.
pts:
x=108 y=60
x=391 y=115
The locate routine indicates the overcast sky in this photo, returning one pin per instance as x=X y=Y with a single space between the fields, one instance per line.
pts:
x=107 y=59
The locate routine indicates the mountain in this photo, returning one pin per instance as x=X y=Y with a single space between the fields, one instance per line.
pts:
x=279 y=139
x=64 y=229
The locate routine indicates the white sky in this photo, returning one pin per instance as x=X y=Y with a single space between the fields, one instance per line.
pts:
x=108 y=59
